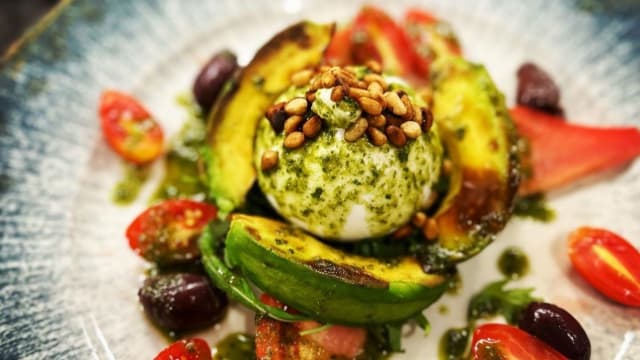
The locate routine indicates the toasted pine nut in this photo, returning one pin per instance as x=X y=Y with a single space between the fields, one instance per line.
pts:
x=356 y=93
x=276 y=116
x=409 y=106
x=312 y=127
x=301 y=77
x=419 y=219
x=292 y=123
x=328 y=80
x=294 y=140
x=369 y=78
x=310 y=95
x=269 y=160
x=337 y=94
x=411 y=129
x=370 y=106
x=396 y=135
x=417 y=114
x=374 y=66
x=296 y=106
x=378 y=121
x=403 y=232
x=427 y=119
x=394 y=103
x=430 y=229
x=356 y=130
x=376 y=136
x=375 y=90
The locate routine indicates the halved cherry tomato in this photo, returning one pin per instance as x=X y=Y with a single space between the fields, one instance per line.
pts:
x=338 y=52
x=608 y=262
x=276 y=340
x=430 y=37
x=377 y=36
x=506 y=342
x=168 y=233
x=187 y=349
x=562 y=152
x=129 y=128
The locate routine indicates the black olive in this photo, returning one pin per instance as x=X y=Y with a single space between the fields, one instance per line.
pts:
x=182 y=301
x=556 y=327
x=212 y=78
x=537 y=89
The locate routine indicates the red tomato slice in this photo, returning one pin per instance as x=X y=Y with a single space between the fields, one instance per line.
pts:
x=373 y=28
x=338 y=52
x=168 y=233
x=506 y=342
x=129 y=128
x=608 y=262
x=562 y=152
x=276 y=340
x=187 y=349
x=428 y=34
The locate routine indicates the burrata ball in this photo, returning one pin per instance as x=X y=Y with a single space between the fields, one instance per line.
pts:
x=341 y=190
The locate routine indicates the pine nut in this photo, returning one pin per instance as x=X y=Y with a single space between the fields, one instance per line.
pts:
x=296 y=106
x=411 y=129
x=276 y=116
x=427 y=119
x=312 y=127
x=430 y=229
x=419 y=219
x=292 y=123
x=310 y=96
x=294 y=140
x=269 y=160
x=407 y=104
x=369 y=78
x=375 y=90
x=356 y=93
x=394 y=103
x=417 y=114
x=337 y=94
x=356 y=130
x=328 y=80
x=377 y=121
x=370 y=106
x=374 y=66
x=396 y=135
x=301 y=77
x=376 y=136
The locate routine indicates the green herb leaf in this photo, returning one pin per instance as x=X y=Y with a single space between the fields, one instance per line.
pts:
x=494 y=299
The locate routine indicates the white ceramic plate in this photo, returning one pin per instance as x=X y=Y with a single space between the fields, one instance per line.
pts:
x=68 y=281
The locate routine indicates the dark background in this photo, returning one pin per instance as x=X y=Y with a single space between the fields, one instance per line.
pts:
x=17 y=15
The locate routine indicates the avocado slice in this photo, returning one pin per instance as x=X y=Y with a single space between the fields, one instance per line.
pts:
x=233 y=120
x=480 y=138
x=325 y=283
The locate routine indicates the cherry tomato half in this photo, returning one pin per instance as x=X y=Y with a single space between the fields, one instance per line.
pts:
x=129 y=128
x=506 y=342
x=187 y=349
x=608 y=262
x=168 y=233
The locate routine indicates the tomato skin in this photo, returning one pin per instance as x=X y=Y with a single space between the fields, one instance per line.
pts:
x=168 y=233
x=425 y=34
x=562 y=152
x=607 y=262
x=187 y=349
x=129 y=128
x=506 y=342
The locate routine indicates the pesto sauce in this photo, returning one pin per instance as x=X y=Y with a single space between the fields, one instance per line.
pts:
x=182 y=173
x=533 y=207
x=128 y=188
x=453 y=344
x=455 y=284
x=513 y=263
x=236 y=346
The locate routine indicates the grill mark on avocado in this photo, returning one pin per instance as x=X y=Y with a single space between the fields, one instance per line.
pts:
x=295 y=34
x=347 y=273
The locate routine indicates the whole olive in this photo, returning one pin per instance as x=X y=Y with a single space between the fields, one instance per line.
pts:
x=182 y=301
x=537 y=89
x=212 y=78
x=556 y=327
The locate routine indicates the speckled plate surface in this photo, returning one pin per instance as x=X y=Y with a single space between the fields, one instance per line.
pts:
x=68 y=281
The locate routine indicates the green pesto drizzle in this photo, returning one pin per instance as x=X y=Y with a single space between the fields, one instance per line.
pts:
x=533 y=207
x=128 y=188
x=513 y=263
x=236 y=346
